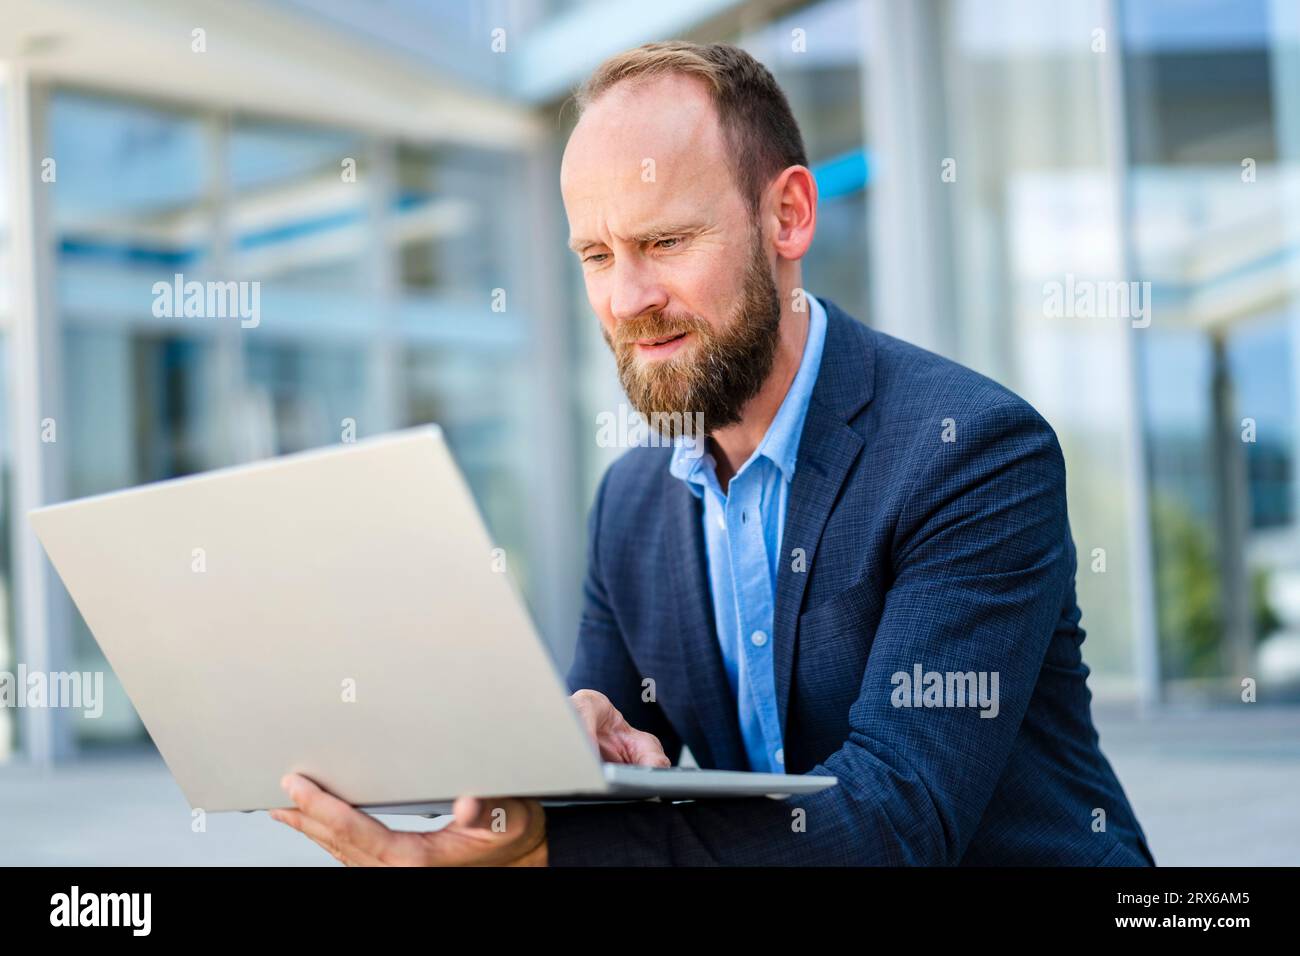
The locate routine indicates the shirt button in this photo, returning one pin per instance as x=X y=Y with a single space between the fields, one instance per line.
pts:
x=722 y=522
x=758 y=638
x=780 y=756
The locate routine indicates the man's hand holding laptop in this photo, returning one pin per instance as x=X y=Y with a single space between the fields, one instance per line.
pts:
x=484 y=832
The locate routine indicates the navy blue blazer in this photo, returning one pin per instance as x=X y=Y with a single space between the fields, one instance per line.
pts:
x=926 y=527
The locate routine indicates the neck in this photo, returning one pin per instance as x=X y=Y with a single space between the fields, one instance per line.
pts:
x=732 y=446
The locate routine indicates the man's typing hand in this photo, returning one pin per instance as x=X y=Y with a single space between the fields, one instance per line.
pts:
x=616 y=739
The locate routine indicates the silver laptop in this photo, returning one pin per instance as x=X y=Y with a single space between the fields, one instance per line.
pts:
x=340 y=613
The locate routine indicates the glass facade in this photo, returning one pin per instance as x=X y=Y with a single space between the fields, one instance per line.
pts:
x=817 y=55
x=373 y=264
x=1199 y=105
x=1035 y=207
x=1093 y=145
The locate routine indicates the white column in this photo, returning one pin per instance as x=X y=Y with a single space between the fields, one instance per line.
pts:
x=384 y=355
x=1284 y=59
x=1146 y=652
x=42 y=609
x=912 y=272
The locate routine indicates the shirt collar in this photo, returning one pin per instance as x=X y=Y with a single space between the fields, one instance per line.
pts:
x=780 y=443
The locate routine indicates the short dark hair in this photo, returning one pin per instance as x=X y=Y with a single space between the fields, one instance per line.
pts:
x=758 y=126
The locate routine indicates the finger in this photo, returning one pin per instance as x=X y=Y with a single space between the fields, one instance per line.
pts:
x=640 y=747
x=587 y=714
x=465 y=810
x=615 y=738
x=348 y=826
x=497 y=817
x=324 y=838
x=296 y=822
x=402 y=849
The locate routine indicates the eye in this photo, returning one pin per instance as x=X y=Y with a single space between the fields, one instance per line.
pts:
x=596 y=257
x=668 y=243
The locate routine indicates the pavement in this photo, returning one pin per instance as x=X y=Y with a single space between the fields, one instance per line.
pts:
x=1211 y=787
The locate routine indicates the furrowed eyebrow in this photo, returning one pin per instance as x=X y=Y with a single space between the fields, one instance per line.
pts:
x=655 y=233
x=666 y=232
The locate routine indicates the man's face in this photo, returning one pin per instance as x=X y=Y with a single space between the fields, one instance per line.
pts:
x=675 y=265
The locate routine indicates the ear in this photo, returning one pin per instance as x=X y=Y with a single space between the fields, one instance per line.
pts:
x=793 y=198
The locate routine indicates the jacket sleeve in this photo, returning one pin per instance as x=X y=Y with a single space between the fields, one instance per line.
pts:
x=601 y=661
x=981 y=560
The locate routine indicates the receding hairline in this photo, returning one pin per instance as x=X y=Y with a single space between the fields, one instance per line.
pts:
x=644 y=64
x=751 y=112
x=709 y=116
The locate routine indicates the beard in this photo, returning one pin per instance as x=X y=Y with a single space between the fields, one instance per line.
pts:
x=710 y=380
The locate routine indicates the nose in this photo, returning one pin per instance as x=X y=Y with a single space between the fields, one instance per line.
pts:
x=635 y=290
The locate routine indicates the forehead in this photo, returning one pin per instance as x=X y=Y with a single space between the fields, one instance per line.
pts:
x=644 y=150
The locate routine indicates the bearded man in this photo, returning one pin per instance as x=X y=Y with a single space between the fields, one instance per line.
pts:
x=865 y=570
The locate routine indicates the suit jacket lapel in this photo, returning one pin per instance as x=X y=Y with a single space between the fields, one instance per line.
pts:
x=711 y=704
x=827 y=450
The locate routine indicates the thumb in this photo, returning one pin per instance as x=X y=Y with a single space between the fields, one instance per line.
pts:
x=465 y=811
x=497 y=815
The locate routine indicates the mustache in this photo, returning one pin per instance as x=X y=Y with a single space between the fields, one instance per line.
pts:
x=655 y=325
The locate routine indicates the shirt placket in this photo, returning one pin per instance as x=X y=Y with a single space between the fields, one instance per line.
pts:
x=754 y=599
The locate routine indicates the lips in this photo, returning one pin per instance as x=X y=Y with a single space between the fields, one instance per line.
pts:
x=664 y=340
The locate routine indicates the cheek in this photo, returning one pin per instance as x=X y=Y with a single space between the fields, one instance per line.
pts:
x=709 y=289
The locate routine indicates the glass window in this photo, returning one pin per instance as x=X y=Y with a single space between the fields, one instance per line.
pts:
x=476 y=396
x=1259 y=356
x=816 y=54
x=129 y=207
x=1036 y=213
x=1205 y=224
x=300 y=396
x=303 y=233
x=451 y=223
x=297 y=215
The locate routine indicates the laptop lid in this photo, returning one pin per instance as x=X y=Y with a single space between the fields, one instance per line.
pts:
x=339 y=613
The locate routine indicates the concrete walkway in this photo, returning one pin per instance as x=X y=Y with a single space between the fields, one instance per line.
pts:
x=1211 y=788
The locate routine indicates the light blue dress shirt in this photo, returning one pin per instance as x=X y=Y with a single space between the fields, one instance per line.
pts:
x=742 y=534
